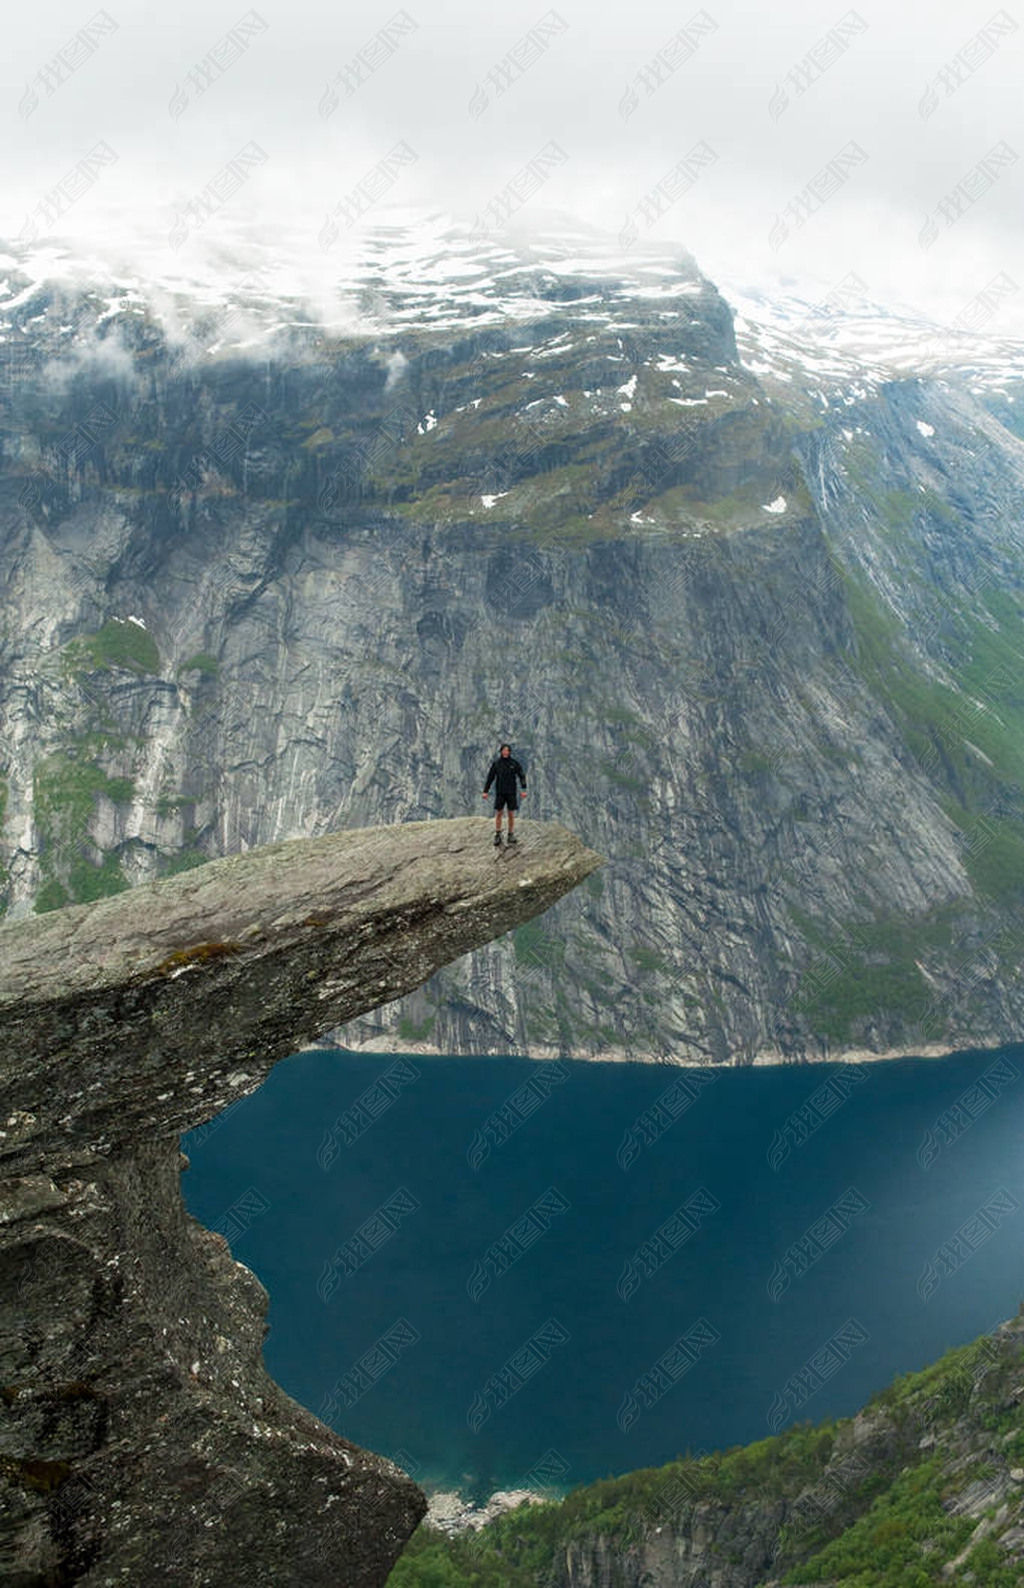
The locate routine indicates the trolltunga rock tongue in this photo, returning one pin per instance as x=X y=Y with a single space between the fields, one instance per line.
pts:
x=141 y=1440
x=147 y=1013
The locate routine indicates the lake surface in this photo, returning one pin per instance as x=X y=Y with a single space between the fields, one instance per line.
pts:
x=496 y=1270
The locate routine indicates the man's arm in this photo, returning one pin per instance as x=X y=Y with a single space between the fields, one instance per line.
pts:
x=491 y=775
x=522 y=776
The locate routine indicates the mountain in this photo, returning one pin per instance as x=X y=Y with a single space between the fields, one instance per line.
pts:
x=924 y=1486
x=293 y=543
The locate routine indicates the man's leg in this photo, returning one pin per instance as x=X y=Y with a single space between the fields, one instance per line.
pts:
x=511 y=820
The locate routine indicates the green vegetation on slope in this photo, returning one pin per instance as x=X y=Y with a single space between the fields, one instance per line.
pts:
x=866 y=1515
x=868 y=968
x=184 y=860
x=116 y=644
x=945 y=727
x=967 y=735
x=892 y=1545
x=64 y=795
x=202 y=662
x=409 y=1031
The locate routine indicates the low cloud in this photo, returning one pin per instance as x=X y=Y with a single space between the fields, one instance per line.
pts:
x=905 y=106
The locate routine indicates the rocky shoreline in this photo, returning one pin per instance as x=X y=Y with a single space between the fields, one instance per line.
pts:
x=450 y=1512
x=383 y=1044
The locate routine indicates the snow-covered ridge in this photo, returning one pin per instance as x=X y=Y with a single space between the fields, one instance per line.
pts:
x=841 y=340
x=423 y=271
x=407 y=272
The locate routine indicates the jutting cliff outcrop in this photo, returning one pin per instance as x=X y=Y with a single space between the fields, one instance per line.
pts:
x=140 y=1438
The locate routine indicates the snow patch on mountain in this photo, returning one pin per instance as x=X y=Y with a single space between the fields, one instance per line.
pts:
x=853 y=345
x=422 y=271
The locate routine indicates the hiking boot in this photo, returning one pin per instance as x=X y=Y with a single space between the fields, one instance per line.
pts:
x=497 y=840
x=512 y=838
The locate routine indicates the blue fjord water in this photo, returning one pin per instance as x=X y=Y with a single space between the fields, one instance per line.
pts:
x=489 y=1264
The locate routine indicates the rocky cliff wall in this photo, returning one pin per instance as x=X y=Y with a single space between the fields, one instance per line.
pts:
x=758 y=641
x=140 y=1437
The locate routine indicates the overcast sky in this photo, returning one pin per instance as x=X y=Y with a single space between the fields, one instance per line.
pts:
x=881 y=139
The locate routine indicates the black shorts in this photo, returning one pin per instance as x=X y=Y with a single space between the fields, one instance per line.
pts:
x=511 y=800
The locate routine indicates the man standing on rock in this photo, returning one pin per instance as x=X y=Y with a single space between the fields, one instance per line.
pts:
x=503 y=772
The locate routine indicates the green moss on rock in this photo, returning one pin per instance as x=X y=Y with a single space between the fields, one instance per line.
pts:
x=413 y=1031
x=201 y=662
x=117 y=644
x=868 y=969
x=64 y=795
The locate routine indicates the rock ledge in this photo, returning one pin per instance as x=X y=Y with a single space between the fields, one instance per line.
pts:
x=140 y=1438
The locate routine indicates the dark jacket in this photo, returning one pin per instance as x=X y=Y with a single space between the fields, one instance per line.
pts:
x=503 y=772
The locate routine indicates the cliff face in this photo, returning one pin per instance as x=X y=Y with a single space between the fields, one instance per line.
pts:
x=140 y=1437
x=755 y=627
